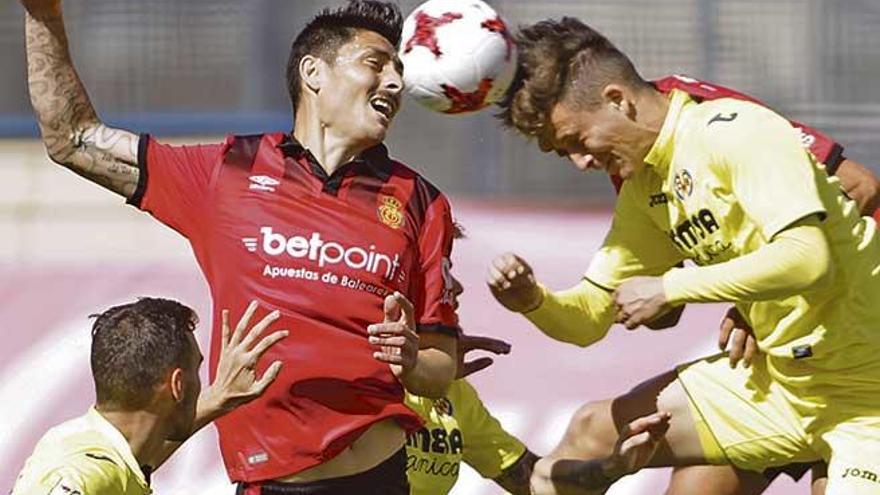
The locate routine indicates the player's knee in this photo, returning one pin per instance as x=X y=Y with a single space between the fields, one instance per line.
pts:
x=591 y=432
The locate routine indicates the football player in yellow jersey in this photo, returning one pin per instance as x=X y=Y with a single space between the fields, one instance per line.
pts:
x=145 y=363
x=726 y=185
x=460 y=428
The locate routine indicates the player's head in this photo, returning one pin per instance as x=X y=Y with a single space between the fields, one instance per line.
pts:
x=344 y=67
x=575 y=93
x=145 y=358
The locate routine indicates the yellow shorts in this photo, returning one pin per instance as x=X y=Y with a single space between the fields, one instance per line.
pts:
x=751 y=422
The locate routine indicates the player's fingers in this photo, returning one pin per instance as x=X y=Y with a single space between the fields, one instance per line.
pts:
x=243 y=323
x=496 y=346
x=388 y=329
x=267 y=342
x=387 y=357
x=407 y=316
x=737 y=346
x=391 y=308
x=224 y=318
x=497 y=279
x=751 y=350
x=727 y=325
x=257 y=329
x=398 y=341
x=476 y=365
x=268 y=377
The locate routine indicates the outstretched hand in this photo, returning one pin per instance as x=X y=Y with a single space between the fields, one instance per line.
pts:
x=396 y=336
x=468 y=343
x=236 y=381
x=637 y=443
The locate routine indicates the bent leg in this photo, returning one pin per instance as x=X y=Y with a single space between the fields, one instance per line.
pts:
x=594 y=430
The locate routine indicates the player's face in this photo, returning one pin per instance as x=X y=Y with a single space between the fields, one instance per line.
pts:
x=598 y=139
x=362 y=94
x=185 y=411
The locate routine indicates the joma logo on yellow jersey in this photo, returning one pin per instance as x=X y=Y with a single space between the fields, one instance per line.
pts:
x=687 y=234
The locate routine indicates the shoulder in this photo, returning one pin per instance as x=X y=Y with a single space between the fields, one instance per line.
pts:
x=421 y=186
x=731 y=118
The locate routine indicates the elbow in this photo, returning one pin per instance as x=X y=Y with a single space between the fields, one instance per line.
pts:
x=818 y=270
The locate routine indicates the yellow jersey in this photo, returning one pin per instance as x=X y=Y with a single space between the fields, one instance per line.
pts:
x=457 y=428
x=84 y=456
x=722 y=179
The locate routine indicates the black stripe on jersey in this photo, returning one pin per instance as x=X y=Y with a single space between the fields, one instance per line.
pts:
x=439 y=328
x=423 y=195
x=835 y=158
x=243 y=151
x=99 y=457
x=138 y=195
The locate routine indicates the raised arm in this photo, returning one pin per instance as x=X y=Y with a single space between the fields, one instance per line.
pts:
x=72 y=132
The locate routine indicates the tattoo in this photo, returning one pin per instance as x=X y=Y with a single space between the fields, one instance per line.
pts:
x=515 y=479
x=73 y=134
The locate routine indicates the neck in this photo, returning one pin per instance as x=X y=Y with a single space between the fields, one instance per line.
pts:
x=329 y=149
x=143 y=430
x=653 y=107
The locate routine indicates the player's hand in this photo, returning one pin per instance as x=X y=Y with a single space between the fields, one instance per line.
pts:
x=236 y=381
x=468 y=343
x=640 y=300
x=736 y=333
x=396 y=336
x=637 y=443
x=513 y=284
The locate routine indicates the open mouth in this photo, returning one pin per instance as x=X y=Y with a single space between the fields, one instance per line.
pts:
x=384 y=106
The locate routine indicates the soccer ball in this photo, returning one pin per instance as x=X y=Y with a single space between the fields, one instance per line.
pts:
x=458 y=55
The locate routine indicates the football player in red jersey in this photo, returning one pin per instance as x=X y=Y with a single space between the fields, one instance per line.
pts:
x=350 y=246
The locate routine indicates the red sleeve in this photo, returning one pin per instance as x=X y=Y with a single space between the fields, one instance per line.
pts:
x=434 y=295
x=174 y=182
x=823 y=147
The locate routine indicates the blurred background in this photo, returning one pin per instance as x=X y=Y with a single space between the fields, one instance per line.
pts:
x=194 y=70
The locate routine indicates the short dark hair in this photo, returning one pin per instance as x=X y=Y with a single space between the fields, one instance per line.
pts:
x=331 y=29
x=561 y=60
x=134 y=345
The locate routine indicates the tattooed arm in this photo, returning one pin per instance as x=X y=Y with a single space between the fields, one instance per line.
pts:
x=72 y=132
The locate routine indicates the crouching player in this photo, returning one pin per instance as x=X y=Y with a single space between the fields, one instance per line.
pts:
x=145 y=363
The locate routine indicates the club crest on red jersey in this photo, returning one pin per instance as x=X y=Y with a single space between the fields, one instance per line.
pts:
x=391 y=212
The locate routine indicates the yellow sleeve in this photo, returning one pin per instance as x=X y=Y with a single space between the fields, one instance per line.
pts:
x=635 y=245
x=795 y=260
x=79 y=476
x=488 y=448
x=580 y=315
x=771 y=175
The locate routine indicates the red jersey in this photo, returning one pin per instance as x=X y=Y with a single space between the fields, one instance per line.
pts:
x=267 y=223
x=825 y=149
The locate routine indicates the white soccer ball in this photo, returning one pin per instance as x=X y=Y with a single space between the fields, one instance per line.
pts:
x=458 y=55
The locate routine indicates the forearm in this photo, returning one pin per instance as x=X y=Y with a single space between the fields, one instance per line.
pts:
x=73 y=134
x=60 y=101
x=515 y=479
x=795 y=260
x=572 y=476
x=580 y=315
x=433 y=373
x=860 y=184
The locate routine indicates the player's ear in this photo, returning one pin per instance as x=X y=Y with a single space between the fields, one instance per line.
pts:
x=177 y=384
x=614 y=96
x=311 y=71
